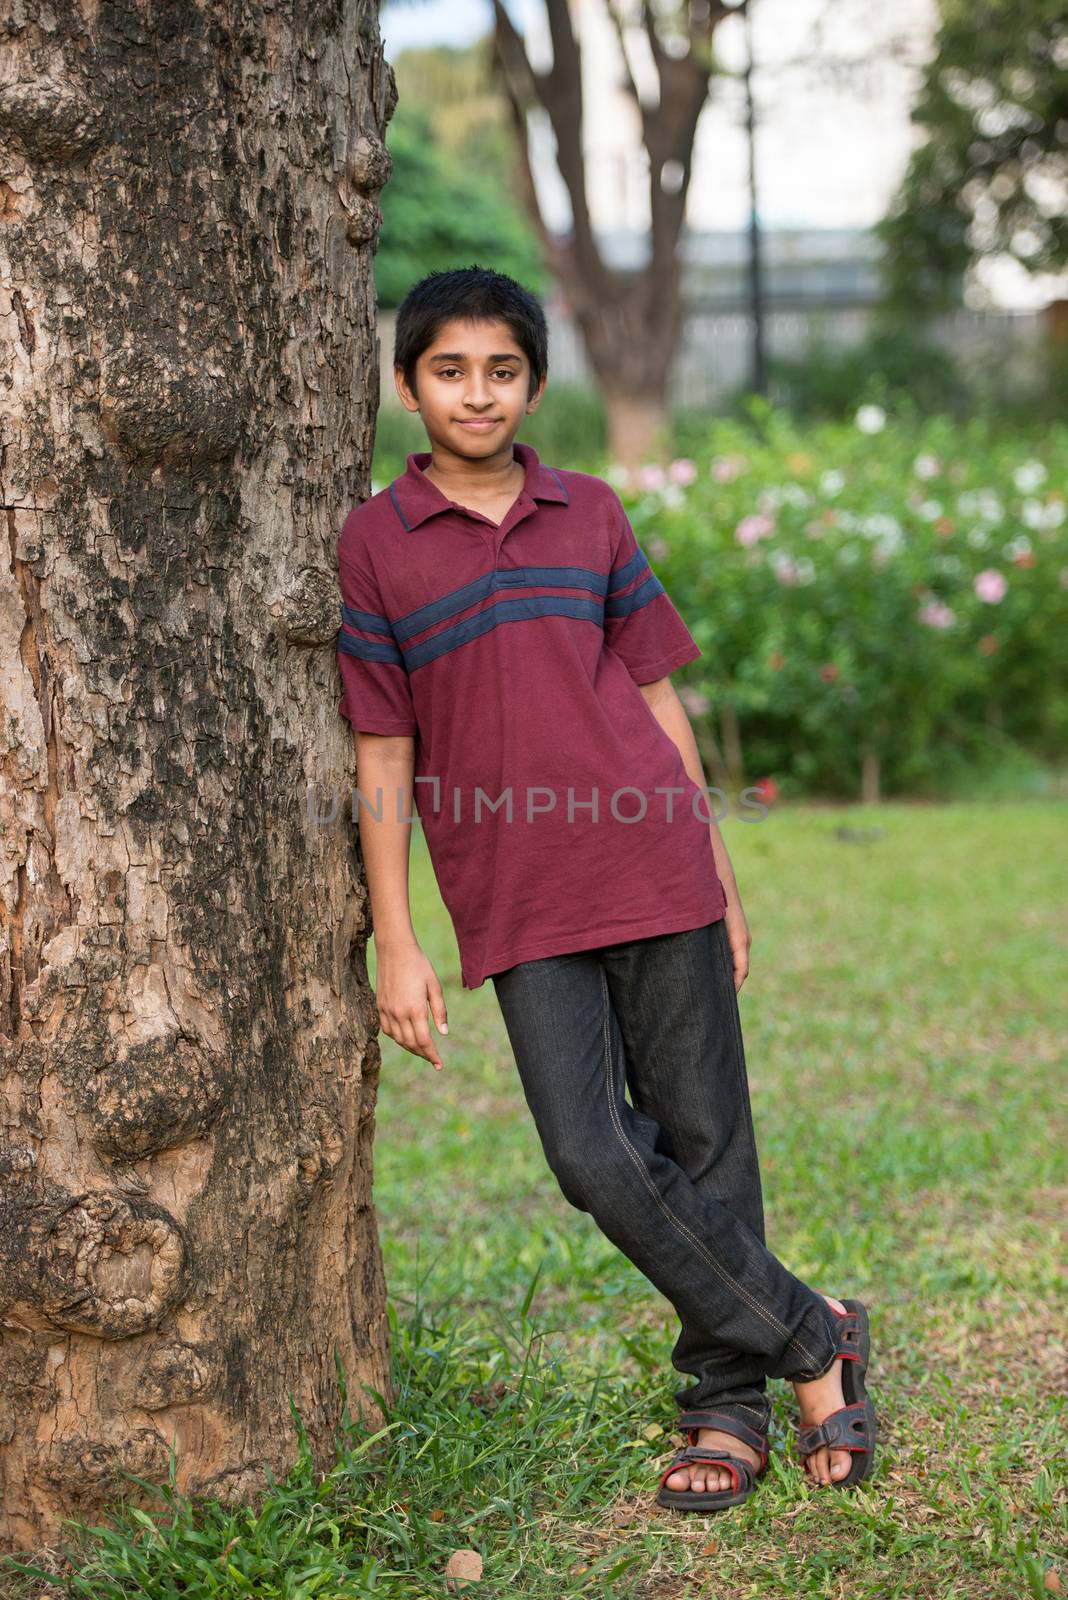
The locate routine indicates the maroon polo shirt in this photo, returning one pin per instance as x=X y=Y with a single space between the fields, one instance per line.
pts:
x=557 y=812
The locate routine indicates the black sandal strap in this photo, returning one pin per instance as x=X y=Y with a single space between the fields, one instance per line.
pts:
x=723 y=1422
x=845 y=1429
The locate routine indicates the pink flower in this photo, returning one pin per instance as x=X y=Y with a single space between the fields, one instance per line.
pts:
x=829 y=672
x=695 y=702
x=991 y=585
x=757 y=526
x=658 y=548
x=767 y=790
x=651 y=476
x=726 y=468
x=683 y=470
x=937 y=615
x=786 y=570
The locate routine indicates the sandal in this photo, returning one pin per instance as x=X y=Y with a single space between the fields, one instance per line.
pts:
x=852 y=1426
x=744 y=1475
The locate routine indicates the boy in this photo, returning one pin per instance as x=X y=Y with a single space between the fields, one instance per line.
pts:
x=506 y=652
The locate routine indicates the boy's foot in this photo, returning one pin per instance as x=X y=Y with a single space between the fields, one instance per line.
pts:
x=706 y=1475
x=816 y=1401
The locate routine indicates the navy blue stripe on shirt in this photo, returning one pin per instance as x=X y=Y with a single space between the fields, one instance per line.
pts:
x=623 y=604
x=563 y=485
x=626 y=574
x=369 y=621
x=501 y=577
x=523 y=608
x=368 y=649
x=396 y=503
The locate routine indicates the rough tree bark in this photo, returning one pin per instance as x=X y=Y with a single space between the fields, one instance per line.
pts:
x=188 y=219
x=630 y=321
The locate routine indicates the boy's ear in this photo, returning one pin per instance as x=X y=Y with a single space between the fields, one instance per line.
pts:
x=408 y=399
x=535 y=398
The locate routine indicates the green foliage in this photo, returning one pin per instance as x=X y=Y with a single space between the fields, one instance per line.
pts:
x=834 y=579
x=990 y=176
x=894 y=365
x=438 y=213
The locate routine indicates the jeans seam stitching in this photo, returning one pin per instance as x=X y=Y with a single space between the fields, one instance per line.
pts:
x=742 y=1293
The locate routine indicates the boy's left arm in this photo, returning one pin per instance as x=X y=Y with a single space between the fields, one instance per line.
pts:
x=670 y=712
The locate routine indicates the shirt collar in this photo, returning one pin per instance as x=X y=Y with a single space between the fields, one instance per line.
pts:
x=415 y=498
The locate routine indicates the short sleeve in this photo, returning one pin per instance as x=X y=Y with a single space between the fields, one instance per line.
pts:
x=641 y=624
x=377 y=695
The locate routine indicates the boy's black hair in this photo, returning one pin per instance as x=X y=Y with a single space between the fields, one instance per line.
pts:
x=474 y=294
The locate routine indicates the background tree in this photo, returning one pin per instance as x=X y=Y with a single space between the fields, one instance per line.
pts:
x=189 y=1057
x=991 y=176
x=442 y=209
x=630 y=321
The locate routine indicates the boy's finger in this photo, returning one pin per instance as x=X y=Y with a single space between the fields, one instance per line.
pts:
x=424 y=1045
x=437 y=1007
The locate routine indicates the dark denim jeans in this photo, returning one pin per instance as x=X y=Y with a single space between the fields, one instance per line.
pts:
x=672 y=1176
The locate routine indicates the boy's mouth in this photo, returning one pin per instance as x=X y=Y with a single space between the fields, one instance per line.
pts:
x=479 y=424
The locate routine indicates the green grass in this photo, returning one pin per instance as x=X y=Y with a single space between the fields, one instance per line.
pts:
x=904 y=1021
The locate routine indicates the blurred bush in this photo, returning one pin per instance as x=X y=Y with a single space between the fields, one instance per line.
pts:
x=882 y=604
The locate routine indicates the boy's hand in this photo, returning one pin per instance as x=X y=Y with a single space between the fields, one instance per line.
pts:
x=740 y=939
x=405 y=982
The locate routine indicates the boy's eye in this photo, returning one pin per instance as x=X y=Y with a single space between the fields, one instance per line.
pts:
x=499 y=372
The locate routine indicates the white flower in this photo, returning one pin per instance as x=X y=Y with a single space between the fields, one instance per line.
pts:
x=805 y=569
x=1038 y=514
x=978 y=538
x=618 y=474
x=890 y=543
x=871 y=419
x=672 y=495
x=980 y=503
x=929 y=510
x=832 y=482
x=927 y=466
x=880 y=523
x=849 y=555
x=1019 y=546
x=1029 y=477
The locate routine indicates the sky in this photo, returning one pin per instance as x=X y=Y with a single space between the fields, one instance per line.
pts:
x=833 y=141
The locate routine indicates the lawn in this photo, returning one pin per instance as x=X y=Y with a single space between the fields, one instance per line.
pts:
x=904 y=1023
x=906 y=1004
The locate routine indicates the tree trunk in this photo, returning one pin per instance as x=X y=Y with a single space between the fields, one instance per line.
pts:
x=732 y=742
x=187 y=1090
x=869 y=776
x=637 y=427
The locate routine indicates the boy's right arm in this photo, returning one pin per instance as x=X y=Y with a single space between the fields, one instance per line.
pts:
x=406 y=981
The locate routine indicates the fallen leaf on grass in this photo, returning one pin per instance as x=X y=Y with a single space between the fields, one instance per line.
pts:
x=710 y=1548
x=463 y=1566
x=653 y=1431
x=1053 y=1582
x=437 y=1516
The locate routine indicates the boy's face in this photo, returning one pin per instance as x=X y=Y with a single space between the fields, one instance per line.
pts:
x=472 y=382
